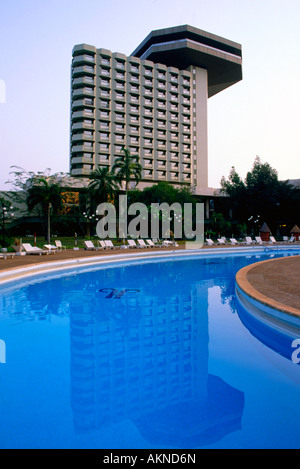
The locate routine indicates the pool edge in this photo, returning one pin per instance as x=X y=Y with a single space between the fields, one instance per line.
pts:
x=261 y=301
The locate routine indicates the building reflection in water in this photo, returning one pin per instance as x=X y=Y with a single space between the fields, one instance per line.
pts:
x=144 y=357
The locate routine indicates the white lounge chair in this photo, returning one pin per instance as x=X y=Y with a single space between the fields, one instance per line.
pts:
x=292 y=239
x=109 y=244
x=169 y=243
x=233 y=241
x=210 y=242
x=258 y=240
x=52 y=249
x=142 y=243
x=101 y=244
x=59 y=246
x=5 y=255
x=152 y=244
x=132 y=243
x=249 y=240
x=272 y=240
x=221 y=241
x=89 y=245
x=33 y=249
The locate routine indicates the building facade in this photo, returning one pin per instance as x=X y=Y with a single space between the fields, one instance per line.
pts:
x=153 y=103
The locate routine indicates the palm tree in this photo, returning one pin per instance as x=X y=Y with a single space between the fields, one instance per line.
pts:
x=127 y=167
x=46 y=193
x=103 y=186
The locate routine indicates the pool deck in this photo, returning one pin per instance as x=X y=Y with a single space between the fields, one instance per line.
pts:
x=275 y=282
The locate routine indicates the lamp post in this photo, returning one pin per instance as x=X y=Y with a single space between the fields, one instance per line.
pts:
x=6 y=212
x=89 y=219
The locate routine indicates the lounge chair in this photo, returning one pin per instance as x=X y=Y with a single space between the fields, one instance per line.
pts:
x=109 y=244
x=221 y=241
x=101 y=244
x=233 y=241
x=169 y=243
x=89 y=245
x=132 y=243
x=59 y=246
x=152 y=244
x=5 y=255
x=52 y=249
x=33 y=249
x=258 y=240
x=249 y=240
x=210 y=242
x=292 y=239
x=142 y=243
x=272 y=240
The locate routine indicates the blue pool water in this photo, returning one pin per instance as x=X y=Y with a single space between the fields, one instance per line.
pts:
x=152 y=355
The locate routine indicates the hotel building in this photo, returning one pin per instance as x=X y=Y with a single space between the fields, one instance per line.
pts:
x=153 y=102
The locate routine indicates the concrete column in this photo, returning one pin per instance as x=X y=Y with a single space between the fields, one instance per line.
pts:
x=200 y=96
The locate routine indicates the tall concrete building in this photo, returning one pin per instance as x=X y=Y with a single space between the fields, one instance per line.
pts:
x=153 y=103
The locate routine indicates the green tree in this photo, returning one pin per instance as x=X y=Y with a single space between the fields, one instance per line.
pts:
x=260 y=194
x=127 y=168
x=42 y=190
x=46 y=194
x=103 y=185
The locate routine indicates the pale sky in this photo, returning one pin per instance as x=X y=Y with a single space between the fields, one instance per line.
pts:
x=258 y=116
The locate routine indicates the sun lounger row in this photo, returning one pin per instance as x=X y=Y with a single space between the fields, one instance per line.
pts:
x=131 y=244
x=248 y=241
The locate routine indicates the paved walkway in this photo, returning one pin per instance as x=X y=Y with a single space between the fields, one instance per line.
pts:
x=275 y=282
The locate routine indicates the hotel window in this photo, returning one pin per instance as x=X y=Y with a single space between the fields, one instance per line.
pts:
x=105 y=82
x=134 y=68
x=120 y=95
x=104 y=104
x=120 y=76
x=119 y=117
x=148 y=121
x=148 y=71
x=105 y=60
x=104 y=93
x=134 y=129
x=134 y=119
x=120 y=64
x=120 y=107
x=134 y=140
x=120 y=138
x=105 y=72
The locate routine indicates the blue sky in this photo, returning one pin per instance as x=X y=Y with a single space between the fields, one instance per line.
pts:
x=257 y=116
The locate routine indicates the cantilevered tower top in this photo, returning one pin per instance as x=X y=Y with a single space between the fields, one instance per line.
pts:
x=185 y=46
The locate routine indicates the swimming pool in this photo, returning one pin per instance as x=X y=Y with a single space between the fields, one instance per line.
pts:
x=156 y=353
